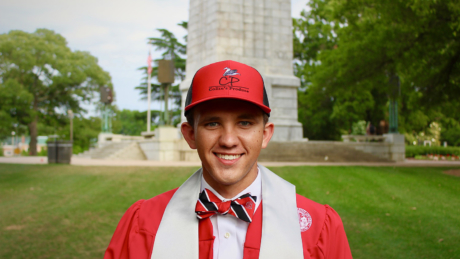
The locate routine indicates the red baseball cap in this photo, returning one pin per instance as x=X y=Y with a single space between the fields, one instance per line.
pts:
x=227 y=79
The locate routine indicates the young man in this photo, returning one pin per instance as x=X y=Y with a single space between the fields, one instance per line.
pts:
x=232 y=207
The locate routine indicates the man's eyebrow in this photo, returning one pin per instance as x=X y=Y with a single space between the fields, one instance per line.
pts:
x=211 y=118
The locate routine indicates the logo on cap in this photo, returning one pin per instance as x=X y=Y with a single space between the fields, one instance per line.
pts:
x=229 y=72
x=227 y=81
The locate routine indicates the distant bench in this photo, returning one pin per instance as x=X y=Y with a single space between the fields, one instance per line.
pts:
x=363 y=138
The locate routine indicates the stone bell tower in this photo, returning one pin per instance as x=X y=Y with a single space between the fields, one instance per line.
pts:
x=254 y=32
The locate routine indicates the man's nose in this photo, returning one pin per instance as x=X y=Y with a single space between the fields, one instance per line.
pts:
x=229 y=137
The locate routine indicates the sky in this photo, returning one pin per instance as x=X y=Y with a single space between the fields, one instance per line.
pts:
x=114 y=31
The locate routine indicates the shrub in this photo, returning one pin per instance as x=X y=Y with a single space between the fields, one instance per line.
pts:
x=412 y=151
x=452 y=136
x=358 y=128
x=77 y=149
x=43 y=152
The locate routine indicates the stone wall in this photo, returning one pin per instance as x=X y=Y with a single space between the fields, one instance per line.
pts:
x=332 y=151
x=163 y=146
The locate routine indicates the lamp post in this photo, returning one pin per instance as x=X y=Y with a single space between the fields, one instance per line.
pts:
x=70 y=113
x=12 y=138
x=395 y=90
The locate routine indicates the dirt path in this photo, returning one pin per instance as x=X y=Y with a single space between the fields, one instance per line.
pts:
x=454 y=172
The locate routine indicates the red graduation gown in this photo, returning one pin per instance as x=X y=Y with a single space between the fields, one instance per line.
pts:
x=135 y=234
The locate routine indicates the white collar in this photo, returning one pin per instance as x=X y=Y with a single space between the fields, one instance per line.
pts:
x=255 y=189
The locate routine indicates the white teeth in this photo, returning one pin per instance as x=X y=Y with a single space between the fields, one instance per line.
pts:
x=228 y=157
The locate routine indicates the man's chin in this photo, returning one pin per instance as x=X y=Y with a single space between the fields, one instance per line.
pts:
x=226 y=176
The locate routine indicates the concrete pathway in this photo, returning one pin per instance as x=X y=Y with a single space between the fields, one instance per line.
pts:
x=100 y=162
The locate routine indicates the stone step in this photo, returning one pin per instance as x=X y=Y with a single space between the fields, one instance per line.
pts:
x=127 y=150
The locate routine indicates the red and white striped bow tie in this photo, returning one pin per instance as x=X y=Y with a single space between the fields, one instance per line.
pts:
x=209 y=204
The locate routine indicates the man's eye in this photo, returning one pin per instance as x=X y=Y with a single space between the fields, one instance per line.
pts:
x=212 y=124
x=245 y=123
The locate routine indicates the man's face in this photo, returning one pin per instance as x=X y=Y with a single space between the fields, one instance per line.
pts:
x=228 y=135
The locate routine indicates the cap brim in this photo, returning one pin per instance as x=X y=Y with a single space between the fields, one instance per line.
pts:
x=264 y=108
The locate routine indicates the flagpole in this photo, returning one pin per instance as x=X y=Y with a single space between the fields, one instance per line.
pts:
x=149 y=94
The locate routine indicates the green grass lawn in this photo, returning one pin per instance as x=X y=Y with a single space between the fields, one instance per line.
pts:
x=61 y=211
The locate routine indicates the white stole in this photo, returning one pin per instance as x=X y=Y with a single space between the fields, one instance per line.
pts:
x=177 y=235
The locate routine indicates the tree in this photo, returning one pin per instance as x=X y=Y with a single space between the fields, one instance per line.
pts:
x=85 y=132
x=172 y=49
x=128 y=122
x=14 y=103
x=56 y=78
x=349 y=50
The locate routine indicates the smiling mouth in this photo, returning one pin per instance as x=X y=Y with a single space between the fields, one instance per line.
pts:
x=228 y=157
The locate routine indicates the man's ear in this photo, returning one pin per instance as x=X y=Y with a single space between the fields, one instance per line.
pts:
x=269 y=129
x=189 y=134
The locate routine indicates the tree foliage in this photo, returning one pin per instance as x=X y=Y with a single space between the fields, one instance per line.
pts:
x=131 y=122
x=14 y=103
x=50 y=77
x=85 y=132
x=173 y=49
x=346 y=51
